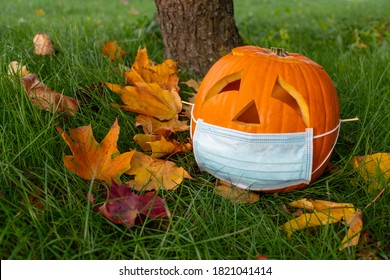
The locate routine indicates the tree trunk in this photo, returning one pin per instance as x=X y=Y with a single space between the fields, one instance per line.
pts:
x=197 y=33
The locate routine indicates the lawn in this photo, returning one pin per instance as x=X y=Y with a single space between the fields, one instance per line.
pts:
x=44 y=210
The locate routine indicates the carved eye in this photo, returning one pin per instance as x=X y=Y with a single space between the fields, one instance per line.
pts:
x=230 y=82
x=287 y=94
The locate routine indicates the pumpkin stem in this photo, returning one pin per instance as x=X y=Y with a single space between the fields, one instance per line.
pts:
x=279 y=52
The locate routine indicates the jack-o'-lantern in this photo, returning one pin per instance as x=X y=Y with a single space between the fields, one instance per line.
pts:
x=253 y=94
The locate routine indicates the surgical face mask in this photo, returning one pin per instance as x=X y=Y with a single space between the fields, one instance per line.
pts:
x=261 y=162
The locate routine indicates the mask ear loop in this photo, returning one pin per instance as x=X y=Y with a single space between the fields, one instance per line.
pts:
x=192 y=115
x=335 y=142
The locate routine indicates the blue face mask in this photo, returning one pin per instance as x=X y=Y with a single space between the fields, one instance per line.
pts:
x=260 y=162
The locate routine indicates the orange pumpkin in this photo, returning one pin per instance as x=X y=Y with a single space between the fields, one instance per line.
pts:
x=258 y=90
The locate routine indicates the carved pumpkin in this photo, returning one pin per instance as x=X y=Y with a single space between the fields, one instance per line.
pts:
x=258 y=90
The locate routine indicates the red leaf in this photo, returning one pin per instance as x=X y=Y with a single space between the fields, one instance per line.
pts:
x=123 y=206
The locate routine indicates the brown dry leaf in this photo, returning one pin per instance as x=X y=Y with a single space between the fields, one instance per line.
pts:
x=112 y=51
x=355 y=222
x=327 y=212
x=151 y=125
x=47 y=99
x=154 y=174
x=373 y=168
x=164 y=74
x=43 y=44
x=94 y=161
x=147 y=99
x=234 y=194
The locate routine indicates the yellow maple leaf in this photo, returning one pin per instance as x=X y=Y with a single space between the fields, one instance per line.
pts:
x=143 y=70
x=161 y=148
x=147 y=99
x=143 y=141
x=154 y=174
x=151 y=125
x=373 y=168
x=324 y=213
x=318 y=205
x=94 y=161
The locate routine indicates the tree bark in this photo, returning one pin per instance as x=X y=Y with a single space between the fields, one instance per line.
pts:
x=196 y=33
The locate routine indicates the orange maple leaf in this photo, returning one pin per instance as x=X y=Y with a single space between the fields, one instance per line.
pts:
x=143 y=70
x=94 y=161
x=154 y=174
x=148 y=99
x=112 y=50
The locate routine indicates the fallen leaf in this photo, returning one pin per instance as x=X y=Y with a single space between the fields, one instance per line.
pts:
x=373 y=168
x=164 y=74
x=261 y=257
x=112 y=51
x=143 y=141
x=161 y=148
x=324 y=213
x=147 y=99
x=318 y=205
x=94 y=161
x=314 y=219
x=123 y=206
x=16 y=69
x=355 y=223
x=234 y=194
x=44 y=98
x=154 y=174
x=43 y=44
x=40 y=12
x=151 y=125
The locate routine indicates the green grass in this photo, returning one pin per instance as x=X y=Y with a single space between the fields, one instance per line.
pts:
x=44 y=213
